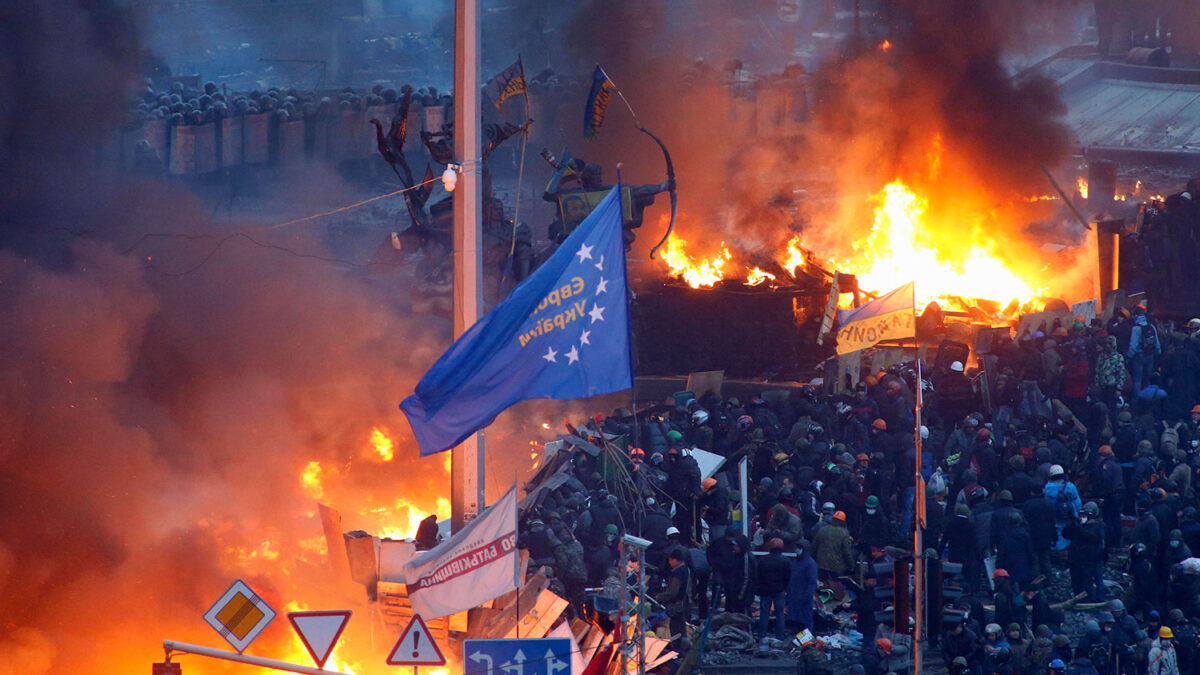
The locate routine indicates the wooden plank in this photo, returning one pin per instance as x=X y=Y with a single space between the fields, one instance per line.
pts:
x=540 y=618
x=335 y=546
x=508 y=598
x=500 y=625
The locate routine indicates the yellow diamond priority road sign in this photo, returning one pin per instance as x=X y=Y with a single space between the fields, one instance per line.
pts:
x=239 y=615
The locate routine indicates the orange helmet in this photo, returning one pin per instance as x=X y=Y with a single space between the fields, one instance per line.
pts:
x=884 y=644
x=839 y=515
x=709 y=483
x=637 y=454
x=879 y=424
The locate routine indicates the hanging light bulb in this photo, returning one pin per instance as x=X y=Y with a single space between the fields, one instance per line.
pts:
x=450 y=177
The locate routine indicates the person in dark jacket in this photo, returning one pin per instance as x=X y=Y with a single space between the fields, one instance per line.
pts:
x=1110 y=486
x=1015 y=551
x=874 y=530
x=773 y=574
x=1189 y=526
x=802 y=587
x=960 y=642
x=1039 y=513
x=958 y=541
x=1086 y=552
x=1147 y=592
x=677 y=597
x=729 y=558
x=1019 y=483
x=714 y=506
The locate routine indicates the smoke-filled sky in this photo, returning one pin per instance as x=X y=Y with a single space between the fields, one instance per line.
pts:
x=163 y=395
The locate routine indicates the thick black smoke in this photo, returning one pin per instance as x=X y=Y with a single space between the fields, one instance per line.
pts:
x=161 y=403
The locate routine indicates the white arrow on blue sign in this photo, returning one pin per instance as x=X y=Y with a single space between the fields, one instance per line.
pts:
x=542 y=656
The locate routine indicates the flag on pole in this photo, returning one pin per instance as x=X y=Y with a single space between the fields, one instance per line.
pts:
x=888 y=317
x=509 y=82
x=562 y=333
x=471 y=567
x=597 y=104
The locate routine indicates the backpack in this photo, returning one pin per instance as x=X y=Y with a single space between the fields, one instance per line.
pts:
x=1170 y=434
x=1063 y=504
x=1149 y=340
x=1098 y=653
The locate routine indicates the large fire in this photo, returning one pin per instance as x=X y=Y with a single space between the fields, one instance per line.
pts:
x=900 y=249
x=291 y=572
x=950 y=260
x=696 y=272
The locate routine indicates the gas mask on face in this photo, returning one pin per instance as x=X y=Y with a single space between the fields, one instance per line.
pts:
x=1083 y=519
x=870 y=512
x=1175 y=544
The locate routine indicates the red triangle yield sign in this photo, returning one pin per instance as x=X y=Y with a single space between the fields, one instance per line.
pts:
x=416 y=646
x=319 y=631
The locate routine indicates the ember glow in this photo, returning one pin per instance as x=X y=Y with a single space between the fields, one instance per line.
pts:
x=1081 y=184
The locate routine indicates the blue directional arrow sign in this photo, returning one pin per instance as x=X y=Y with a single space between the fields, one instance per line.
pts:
x=543 y=656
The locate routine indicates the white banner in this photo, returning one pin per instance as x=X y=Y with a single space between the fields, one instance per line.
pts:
x=888 y=317
x=472 y=567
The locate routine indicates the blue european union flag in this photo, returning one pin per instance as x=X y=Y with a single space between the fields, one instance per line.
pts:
x=562 y=333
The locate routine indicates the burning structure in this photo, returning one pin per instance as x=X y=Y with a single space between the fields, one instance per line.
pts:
x=919 y=157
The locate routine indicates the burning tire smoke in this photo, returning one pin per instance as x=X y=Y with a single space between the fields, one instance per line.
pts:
x=931 y=104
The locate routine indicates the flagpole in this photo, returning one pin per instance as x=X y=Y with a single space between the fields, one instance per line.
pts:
x=617 y=89
x=918 y=523
x=467 y=459
x=512 y=249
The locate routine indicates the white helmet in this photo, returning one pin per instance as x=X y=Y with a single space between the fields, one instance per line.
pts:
x=957 y=366
x=924 y=432
x=1056 y=470
x=699 y=417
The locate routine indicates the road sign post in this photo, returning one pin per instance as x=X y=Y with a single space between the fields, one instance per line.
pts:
x=239 y=615
x=528 y=656
x=319 y=631
x=184 y=648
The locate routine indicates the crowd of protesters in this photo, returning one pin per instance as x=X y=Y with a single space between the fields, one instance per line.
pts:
x=1081 y=467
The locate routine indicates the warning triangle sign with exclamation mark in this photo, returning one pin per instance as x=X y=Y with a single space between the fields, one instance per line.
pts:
x=416 y=646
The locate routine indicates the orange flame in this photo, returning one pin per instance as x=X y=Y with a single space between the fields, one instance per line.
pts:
x=793 y=257
x=310 y=480
x=885 y=45
x=1081 y=184
x=695 y=272
x=401 y=520
x=757 y=276
x=382 y=445
x=899 y=250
